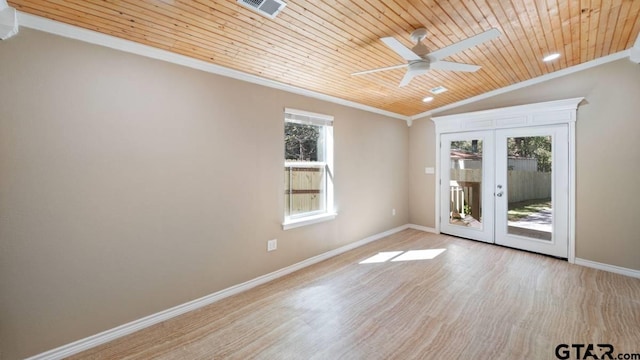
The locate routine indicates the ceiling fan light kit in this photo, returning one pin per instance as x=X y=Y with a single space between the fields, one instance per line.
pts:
x=420 y=60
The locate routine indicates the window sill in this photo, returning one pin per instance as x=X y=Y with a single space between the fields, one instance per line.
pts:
x=308 y=220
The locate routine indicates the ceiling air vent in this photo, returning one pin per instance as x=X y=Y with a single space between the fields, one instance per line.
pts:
x=438 y=90
x=268 y=8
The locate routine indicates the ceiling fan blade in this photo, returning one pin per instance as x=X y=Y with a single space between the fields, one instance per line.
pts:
x=464 y=44
x=400 y=49
x=407 y=78
x=454 y=66
x=380 y=69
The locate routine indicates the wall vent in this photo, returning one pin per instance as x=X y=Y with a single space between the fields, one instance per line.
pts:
x=268 y=8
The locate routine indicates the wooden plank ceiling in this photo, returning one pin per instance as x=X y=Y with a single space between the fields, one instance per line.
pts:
x=317 y=44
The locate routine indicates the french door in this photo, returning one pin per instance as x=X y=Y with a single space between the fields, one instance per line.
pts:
x=507 y=186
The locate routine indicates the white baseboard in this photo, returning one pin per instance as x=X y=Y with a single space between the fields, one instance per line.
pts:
x=422 y=228
x=588 y=263
x=131 y=327
x=607 y=267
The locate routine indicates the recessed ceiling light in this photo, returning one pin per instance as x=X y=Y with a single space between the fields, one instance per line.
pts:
x=428 y=99
x=551 y=57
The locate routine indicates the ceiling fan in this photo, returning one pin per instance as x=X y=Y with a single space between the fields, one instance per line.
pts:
x=420 y=60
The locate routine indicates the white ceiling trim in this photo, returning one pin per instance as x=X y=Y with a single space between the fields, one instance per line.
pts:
x=634 y=52
x=537 y=80
x=93 y=37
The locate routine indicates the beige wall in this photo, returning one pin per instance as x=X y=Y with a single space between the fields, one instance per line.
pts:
x=129 y=185
x=422 y=154
x=607 y=152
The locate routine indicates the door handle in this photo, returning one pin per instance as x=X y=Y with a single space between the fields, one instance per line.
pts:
x=499 y=194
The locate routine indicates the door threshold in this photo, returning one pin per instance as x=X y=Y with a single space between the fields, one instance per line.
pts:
x=507 y=247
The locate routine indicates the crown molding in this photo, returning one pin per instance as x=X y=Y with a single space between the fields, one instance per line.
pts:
x=544 y=113
x=522 y=84
x=634 y=52
x=93 y=37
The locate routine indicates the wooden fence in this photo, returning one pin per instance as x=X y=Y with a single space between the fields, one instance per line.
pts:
x=465 y=198
x=528 y=185
x=464 y=189
x=303 y=189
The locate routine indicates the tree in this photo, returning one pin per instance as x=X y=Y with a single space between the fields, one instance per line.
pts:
x=472 y=147
x=536 y=147
x=530 y=147
x=301 y=142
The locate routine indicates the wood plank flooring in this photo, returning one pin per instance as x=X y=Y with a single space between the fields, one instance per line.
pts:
x=473 y=301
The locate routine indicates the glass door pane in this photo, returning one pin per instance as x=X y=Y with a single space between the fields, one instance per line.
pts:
x=465 y=183
x=531 y=189
x=530 y=206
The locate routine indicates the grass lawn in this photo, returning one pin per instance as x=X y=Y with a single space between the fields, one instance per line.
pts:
x=523 y=209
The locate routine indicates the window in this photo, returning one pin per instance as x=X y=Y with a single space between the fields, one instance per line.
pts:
x=308 y=168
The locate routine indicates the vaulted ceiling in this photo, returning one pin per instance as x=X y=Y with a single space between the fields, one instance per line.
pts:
x=317 y=44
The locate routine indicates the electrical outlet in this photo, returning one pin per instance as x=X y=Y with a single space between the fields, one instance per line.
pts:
x=393 y=212
x=272 y=245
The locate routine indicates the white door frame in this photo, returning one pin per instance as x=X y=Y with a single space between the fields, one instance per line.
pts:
x=546 y=113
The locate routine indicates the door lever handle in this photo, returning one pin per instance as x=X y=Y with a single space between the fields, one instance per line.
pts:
x=499 y=194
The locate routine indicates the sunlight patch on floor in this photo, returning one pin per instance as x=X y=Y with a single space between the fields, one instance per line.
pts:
x=410 y=255
x=381 y=257
x=419 y=255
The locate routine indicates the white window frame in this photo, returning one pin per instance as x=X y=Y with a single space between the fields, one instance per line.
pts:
x=329 y=213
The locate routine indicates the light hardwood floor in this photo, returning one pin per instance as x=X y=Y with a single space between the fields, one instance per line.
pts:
x=473 y=301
